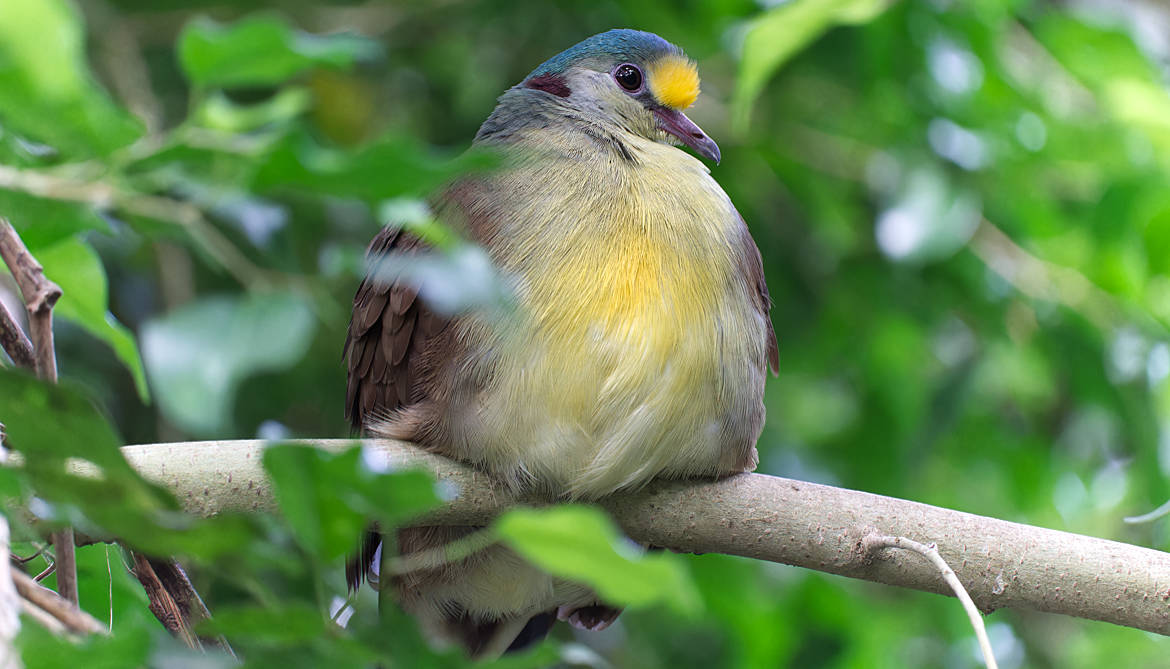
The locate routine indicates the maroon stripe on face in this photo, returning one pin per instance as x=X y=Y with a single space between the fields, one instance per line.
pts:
x=550 y=84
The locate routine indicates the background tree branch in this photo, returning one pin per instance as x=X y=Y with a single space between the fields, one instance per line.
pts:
x=1002 y=564
x=40 y=295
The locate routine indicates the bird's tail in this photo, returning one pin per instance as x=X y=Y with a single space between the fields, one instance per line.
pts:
x=490 y=602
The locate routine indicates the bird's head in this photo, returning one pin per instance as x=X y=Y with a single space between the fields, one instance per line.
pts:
x=631 y=78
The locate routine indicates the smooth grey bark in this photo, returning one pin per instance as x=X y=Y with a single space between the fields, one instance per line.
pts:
x=1001 y=564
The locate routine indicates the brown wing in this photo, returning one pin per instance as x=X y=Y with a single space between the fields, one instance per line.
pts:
x=752 y=266
x=389 y=329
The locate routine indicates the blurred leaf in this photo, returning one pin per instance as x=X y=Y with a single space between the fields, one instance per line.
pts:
x=262 y=50
x=220 y=113
x=41 y=649
x=44 y=421
x=46 y=90
x=385 y=168
x=929 y=219
x=582 y=544
x=296 y=622
x=42 y=222
x=197 y=355
x=777 y=34
x=74 y=266
x=330 y=498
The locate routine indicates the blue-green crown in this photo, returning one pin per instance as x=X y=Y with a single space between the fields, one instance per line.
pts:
x=611 y=47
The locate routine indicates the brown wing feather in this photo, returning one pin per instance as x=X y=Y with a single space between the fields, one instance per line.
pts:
x=752 y=266
x=384 y=338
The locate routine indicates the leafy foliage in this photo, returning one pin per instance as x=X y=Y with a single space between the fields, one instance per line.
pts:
x=582 y=544
x=964 y=222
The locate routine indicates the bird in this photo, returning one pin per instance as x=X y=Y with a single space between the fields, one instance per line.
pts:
x=638 y=347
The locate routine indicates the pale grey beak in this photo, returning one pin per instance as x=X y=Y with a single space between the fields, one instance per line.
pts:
x=676 y=123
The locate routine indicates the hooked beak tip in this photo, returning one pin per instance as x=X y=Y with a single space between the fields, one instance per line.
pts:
x=677 y=124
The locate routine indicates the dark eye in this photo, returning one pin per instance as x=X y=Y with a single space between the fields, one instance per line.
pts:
x=628 y=76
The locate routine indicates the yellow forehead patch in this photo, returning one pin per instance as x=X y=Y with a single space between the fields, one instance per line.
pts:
x=674 y=81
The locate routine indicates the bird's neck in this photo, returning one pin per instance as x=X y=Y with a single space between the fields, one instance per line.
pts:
x=523 y=110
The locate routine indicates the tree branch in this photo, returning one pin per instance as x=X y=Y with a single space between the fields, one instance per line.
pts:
x=14 y=341
x=40 y=294
x=174 y=601
x=52 y=603
x=1002 y=564
x=162 y=605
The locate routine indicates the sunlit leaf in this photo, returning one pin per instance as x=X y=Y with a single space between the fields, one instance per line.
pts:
x=777 y=34
x=46 y=90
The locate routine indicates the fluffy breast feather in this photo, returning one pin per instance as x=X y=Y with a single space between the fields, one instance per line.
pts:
x=636 y=351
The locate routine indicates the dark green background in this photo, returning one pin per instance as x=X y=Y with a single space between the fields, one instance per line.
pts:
x=963 y=210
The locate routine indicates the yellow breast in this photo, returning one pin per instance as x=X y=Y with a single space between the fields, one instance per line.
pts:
x=616 y=368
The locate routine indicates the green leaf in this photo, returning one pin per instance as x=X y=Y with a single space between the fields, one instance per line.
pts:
x=197 y=355
x=220 y=113
x=42 y=222
x=41 y=649
x=107 y=589
x=262 y=50
x=581 y=543
x=295 y=622
x=46 y=90
x=323 y=524
x=43 y=422
x=385 y=168
x=76 y=267
x=330 y=498
x=779 y=33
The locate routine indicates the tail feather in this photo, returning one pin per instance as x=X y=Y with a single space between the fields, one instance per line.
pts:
x=362 y=566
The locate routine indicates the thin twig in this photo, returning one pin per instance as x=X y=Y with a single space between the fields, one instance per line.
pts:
x=39 y=294
x=66 y=566
x=74 y=618
x=25 y=560
x=43 y=618
x=872 y=543
x=178 y=212
x=1151 y=516
x=45 y=572
x=14 y=341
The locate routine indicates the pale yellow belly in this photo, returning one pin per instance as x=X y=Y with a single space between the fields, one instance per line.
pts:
x=636 y=351
x=621 y=395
